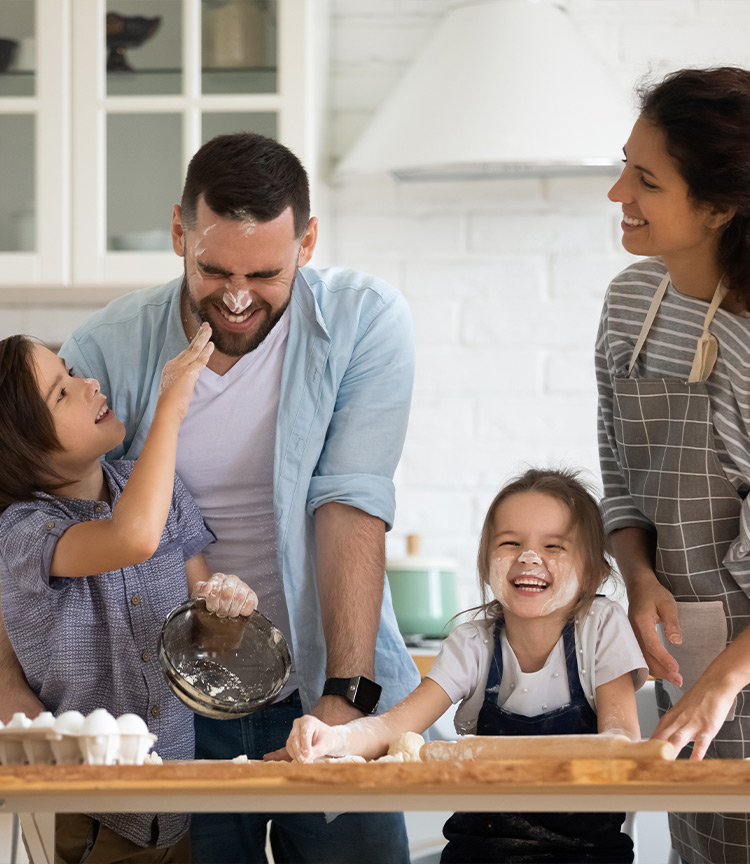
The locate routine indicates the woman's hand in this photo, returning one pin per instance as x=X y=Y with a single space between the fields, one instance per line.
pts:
x=703 y=709
x=311 y=739
x=698 y=715
x=649 y=604
x=226 y=595
x=180 y=374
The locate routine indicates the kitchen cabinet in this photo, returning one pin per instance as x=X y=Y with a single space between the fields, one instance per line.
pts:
x=92 y=159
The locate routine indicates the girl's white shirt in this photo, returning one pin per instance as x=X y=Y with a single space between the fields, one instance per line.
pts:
x=606 y=648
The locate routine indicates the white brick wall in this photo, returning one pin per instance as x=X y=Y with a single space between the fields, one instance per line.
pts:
x=504 y=278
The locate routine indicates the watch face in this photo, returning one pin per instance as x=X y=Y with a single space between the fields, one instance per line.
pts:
x=368 y=695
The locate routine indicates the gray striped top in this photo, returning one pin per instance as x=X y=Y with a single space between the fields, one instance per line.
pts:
x=668 y=353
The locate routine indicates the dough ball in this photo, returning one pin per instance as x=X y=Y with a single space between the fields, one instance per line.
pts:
x=408 y=743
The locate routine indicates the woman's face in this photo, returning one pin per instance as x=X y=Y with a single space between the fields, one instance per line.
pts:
x=659 y=218
x=534 y=559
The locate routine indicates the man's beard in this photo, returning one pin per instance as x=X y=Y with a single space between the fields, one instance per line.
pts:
x=237 y=344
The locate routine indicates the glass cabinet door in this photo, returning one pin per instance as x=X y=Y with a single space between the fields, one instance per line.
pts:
x=34 y=99
x=154 y=79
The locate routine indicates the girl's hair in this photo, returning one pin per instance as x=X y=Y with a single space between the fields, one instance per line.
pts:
x=27 y=430
x=705 y=117
x=566 y=487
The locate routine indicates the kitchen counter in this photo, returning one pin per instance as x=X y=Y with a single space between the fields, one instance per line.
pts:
x=481 y=785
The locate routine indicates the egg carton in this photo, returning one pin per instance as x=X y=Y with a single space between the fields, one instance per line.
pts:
x=72 y=739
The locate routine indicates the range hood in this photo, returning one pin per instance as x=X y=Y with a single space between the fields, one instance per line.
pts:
x=504 y=88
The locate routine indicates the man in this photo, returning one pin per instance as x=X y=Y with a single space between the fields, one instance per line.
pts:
x=289 y=448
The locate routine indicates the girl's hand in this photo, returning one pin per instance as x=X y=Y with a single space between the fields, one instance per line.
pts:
x=180 y=374
x=227 y=595
x=312 y=739
x=649 y=604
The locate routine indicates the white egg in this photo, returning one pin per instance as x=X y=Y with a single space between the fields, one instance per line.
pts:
x=69 y=722
x=100 y=722
x=45 y=720
x=19 y=721
x=131 y=724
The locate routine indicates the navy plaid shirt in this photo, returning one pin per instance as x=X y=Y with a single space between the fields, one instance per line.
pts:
x=92 y=642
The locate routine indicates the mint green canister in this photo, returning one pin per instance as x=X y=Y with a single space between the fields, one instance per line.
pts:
x=424 y=595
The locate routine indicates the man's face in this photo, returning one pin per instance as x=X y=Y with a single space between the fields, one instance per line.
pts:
x=239 y=274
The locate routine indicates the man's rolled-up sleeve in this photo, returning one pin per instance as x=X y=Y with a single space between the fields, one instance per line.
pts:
x=367 y=430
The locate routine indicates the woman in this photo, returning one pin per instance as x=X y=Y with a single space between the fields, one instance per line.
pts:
x=673 y=369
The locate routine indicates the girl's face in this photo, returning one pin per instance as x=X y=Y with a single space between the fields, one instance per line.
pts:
x=84 y=425
x=659 y=218
x=534 y=561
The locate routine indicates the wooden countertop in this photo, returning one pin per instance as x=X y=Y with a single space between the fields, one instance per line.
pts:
x=542 y=784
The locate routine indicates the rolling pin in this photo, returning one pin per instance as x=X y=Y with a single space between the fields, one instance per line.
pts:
x=553 y=747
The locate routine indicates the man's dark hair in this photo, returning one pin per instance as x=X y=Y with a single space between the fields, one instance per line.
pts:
x=247 y=176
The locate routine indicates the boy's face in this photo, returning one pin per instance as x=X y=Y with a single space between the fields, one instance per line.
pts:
x=85 y=427
x=534 y=561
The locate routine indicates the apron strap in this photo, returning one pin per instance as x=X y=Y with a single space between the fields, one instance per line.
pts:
x=707 y=346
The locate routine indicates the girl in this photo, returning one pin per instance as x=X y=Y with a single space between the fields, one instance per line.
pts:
x=673 y=365
x=93 y=555
x=545 y=656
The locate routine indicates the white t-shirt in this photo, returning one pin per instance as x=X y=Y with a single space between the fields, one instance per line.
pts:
x=606 y=648
x=225 y=457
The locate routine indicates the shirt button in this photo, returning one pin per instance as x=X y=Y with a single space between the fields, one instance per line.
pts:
x=100 y=508
x=155 y=711
x=544 y=707
x=135 y=599
x=84 y=518
x=525 y=690
x=583 y=671
x=555 y=674
x=146 y=656
x=580 y=650
x=49 y=526
x=512 y=686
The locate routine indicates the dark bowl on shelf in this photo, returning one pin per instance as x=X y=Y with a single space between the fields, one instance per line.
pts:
x=8 y=49
x=127 y=31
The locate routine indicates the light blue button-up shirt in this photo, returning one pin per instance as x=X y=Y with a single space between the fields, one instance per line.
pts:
x=345 y=395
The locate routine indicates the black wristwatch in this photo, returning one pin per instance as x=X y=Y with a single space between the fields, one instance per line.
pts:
x=360 y=691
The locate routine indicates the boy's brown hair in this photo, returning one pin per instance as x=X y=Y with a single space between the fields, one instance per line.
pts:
x=27 y=430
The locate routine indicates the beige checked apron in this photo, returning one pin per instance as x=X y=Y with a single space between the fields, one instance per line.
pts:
x=665 y=442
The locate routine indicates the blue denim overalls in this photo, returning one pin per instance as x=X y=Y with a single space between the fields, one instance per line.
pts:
x=529 y=838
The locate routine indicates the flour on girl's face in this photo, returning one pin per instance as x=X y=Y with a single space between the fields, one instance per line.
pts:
x=559 y=572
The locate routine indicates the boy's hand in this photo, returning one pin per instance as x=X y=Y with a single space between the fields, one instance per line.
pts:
x=227 y=595
x=181 y=372
x=312 y=739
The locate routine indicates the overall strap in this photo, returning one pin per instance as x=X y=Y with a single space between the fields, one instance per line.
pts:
x=571 y=663
x=495 y=674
